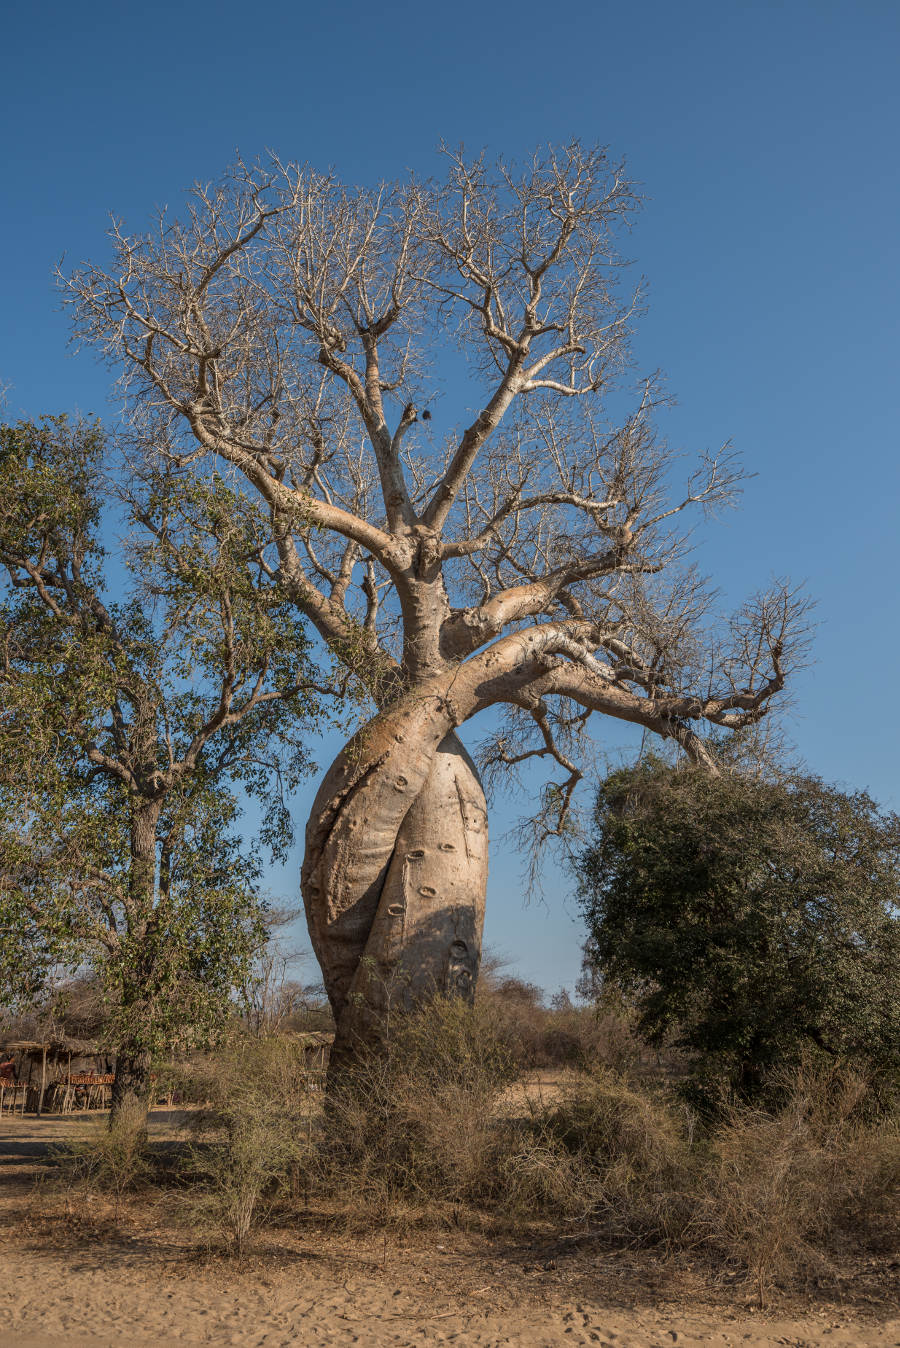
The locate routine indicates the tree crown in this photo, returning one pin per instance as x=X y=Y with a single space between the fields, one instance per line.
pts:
x=129 y=724
x=290 y=326
x=753 y=919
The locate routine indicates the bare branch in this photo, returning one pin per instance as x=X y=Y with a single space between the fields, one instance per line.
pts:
x=529 y=543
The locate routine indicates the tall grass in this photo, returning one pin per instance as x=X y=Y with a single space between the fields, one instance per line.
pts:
x=789 y=1191
x=109 y=1161
x=413 y=1121
x=428 y=1124
x=775 y=1194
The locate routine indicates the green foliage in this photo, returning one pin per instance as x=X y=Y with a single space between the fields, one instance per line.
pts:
x=129 y=725
x=755 y=922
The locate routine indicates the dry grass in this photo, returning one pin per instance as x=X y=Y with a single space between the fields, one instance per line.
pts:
x=606 y=1154
x=110 y=1160
x=427 y=1131
x=254 y=1139
x=775 y=1194
x=415 y=1122
x=786 y=1193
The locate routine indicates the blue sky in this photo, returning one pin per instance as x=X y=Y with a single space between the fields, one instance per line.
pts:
x=765 y=137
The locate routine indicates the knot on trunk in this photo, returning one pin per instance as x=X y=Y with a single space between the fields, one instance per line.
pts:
x=428 y=552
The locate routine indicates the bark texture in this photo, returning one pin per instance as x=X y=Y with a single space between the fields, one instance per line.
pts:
x=396 y=868
x=131 y=1087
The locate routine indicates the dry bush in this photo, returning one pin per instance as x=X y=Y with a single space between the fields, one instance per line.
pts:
x=604 y=1152
x=256 y=1133
x=425 y=1128
x=418 y=1123
x=773 y=1193
x=561 y=1035
x=536 y=1177
x=414 y=1121
x=111 y=1161
x=784 y=1191
x=420 y=1126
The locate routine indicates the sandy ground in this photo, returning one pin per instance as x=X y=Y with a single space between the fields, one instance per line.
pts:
x=131 y=1282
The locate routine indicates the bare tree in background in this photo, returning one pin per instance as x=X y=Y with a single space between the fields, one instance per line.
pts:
x=530 y=558
x=272 y=994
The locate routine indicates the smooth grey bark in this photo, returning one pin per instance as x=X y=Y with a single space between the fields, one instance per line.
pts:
x=395 y=874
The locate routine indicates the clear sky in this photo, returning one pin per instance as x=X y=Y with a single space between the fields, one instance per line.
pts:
x=765 y=135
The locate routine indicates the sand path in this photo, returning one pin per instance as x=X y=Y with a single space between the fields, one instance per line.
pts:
x=128 y=1293
x=102 y=1301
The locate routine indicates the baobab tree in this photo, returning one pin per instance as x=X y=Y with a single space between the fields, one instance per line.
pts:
x=529 y=558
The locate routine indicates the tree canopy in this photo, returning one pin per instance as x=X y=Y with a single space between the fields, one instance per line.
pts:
x=128 y=726
x=291 y=326
x=520 y=546
x=751 y=921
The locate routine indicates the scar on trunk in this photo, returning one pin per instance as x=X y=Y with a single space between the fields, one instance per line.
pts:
x=329 y=817
x=448 y=847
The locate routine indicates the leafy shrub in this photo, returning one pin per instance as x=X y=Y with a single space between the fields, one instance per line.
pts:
x=754 y=921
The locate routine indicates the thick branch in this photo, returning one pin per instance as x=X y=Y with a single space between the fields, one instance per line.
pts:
x=450 y=485
x=291 y=503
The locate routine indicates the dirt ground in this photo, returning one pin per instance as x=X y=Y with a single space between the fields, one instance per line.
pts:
x=139 y=1280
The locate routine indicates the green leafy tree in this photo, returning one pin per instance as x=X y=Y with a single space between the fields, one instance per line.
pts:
x=127 y=729
x=753 y=921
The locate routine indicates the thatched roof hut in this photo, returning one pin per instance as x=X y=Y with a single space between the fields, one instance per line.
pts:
x=41 y=1063
x=316 y=1046
x=57 y=1046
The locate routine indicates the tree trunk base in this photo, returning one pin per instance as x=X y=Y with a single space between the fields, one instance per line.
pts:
x=130 y=1101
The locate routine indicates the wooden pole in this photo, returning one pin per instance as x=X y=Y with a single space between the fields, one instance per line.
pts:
x=43 y=1079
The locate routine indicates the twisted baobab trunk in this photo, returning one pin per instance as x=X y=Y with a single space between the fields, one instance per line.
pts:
x=395 y=871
